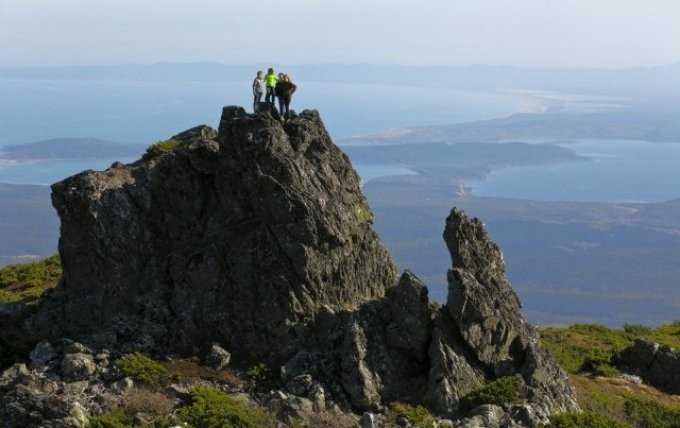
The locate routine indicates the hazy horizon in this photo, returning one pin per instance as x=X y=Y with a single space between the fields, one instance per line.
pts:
x=325 y=64
x=524 y=33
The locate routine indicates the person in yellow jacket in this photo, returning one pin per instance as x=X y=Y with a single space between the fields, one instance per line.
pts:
x=270 y=79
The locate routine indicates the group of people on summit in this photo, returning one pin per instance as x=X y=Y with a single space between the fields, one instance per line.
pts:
x=273 y=86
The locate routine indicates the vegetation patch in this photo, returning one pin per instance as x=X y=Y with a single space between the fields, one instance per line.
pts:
x=327 y=419
x=211 y=408
x=592 y=348
x=141 y=368
x=418 y=416
x=191 y=369
x=26 y=282
x=111 y=420
x=617 y=399
x=259 y=372
x=162 y=147
x=650 y=414
x=586 y=419
x=500 y=392
x=145 y=400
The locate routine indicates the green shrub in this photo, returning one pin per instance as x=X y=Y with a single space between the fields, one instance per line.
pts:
x=124 y=420
x=501 y=391
x=259 y=372
x=637 y=329
x=211 y=408
x=649 y=414
x=111 y=420
x=140 y=367
x=601 y=367
x=162 y=147
x=27 y=281
x=584 y=419
x=418 y=416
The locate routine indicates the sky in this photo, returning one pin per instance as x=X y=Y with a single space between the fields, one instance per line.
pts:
x=526 y=33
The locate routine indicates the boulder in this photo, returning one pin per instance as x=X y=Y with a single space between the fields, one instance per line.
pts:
x=78 y=366
x=299 y=385
x=657 y=365
x=42 y=354
x=217 y=357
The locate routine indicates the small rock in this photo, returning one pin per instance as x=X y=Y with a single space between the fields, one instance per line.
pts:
x=367 y=420
x=76 y=348
x=123 y=385
x=444 y=423
x=631 y=378
x=318 y=396
x=79 y=415
x=78 y=366
x=74 y=388
x=402 y=421
x=218 y=357
x=13 y=374
x=484 y=416
x=278 y=395
x=143 y=419
x=42 y=354
x=297 y=407
x=299 y=385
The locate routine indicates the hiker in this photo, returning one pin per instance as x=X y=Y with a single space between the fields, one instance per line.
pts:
x=284 y=90
x=258 y=90
x=270 y=80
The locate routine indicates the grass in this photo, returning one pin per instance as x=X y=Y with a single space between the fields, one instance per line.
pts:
x=585 y=419
x=211 y=408
x=418 y=416
x=162 y=147
x=619 y=400
x=141 y=368
x=26 y=282
x=591 y=347
x=586 y=351
x=500 y=392
x=192 y=370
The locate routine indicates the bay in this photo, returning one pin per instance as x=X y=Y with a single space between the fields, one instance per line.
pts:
x=618 y=171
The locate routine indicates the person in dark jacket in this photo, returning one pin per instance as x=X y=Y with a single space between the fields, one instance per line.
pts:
x=284 y=90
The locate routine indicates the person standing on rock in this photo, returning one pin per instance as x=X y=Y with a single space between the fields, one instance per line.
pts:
x=270 y=80
x=285 y=90
x=259 y=86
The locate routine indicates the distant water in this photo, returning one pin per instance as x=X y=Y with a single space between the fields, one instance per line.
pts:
x=619 y=171
x=144 y=112
x=47 y=172
x=50 y=171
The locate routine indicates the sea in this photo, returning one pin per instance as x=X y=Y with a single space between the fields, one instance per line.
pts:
x=617 y=171
x=147 y=111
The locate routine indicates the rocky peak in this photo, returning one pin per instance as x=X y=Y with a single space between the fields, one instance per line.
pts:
x=259 y=238
x=237 y=236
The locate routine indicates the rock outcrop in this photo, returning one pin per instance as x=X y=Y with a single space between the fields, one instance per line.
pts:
x=657 y=365
x=237 y=237
x=257 y=237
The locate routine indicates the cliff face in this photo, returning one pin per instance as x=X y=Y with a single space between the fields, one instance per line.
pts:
x=258 y=237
